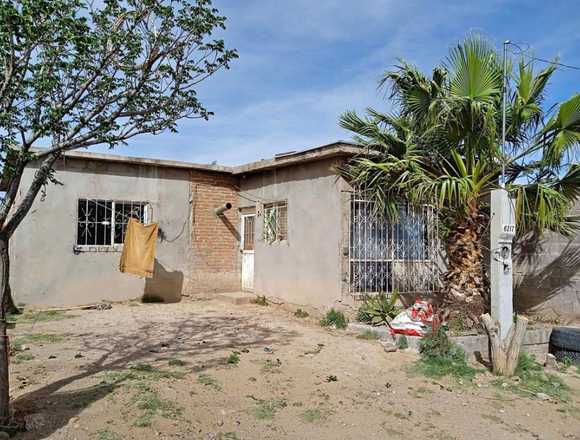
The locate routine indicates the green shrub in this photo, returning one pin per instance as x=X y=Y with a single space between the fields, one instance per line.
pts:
x=234 y=358
x=174 y=362
x=369 y=335
x=22 y=357
x=334 y=318
x=441 y=357
x=379 y=309
x=402 y=342
x=437 y=344
x=457 y=324
x=209 y=381
x=267 y=409
x=151 y=404
x=566 y=362
x=533 y=380
x=301 y=314
x=142 y=371
x=32 y=316
x=104 y=434
x=37 y=338
x=312 y=415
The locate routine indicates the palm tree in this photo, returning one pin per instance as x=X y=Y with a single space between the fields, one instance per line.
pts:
x=442 y=145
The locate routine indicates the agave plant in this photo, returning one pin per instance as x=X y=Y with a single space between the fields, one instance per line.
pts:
x=379 y=309
x=442 y=145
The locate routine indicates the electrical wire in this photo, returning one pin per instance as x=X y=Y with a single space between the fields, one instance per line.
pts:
x=523 y=53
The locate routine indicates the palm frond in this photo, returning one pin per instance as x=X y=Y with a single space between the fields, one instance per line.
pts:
x=569 y=185
x=561 y=135
x=441 y=144
x=412 y=90
x=539 y=207
x=475 y=71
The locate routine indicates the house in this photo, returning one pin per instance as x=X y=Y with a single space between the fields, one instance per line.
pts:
x=286 y=227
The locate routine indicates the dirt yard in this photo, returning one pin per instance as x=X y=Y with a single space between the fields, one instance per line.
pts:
x=211 y=370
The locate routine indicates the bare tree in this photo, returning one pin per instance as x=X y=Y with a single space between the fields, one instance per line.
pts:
x=74 y=74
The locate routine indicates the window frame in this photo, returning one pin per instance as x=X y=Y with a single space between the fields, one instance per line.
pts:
x=247 y=232
x=147 y=215
x=276 y=206
x=388 y=255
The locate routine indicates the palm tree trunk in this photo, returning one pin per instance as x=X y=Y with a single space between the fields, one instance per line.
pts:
x=465 y=282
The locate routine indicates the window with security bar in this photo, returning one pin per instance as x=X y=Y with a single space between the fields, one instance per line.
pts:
x=104 y=222
x=387 y=256
x=275 y=222
x=248 y=239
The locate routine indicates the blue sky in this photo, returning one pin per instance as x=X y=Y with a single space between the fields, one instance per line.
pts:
x=304 y=62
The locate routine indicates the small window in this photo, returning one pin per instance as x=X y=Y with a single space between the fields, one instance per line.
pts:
x=275 y=222
x=104 y=222
x=248 y=239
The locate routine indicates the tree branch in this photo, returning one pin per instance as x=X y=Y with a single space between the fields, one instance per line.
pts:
x=40 y=179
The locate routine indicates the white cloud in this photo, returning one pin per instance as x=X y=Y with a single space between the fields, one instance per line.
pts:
x=304 y=62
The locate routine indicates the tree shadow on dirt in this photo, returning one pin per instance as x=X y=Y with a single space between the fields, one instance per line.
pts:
x=204 y=340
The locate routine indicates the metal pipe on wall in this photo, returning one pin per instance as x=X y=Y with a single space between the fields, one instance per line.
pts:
x=221 y=209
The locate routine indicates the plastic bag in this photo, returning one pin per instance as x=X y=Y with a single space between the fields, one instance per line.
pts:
x=414 y=321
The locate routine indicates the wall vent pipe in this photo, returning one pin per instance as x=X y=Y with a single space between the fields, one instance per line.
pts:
x=221 y=209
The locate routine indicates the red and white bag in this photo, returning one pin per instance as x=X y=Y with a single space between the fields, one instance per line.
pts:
x=414 y=321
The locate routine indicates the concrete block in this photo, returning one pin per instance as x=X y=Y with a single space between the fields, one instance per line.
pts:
x=536 y=340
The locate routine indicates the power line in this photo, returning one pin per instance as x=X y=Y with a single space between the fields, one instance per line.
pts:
x=523 y=53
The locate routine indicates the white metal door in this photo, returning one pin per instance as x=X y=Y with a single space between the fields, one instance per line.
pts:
x=248 y=251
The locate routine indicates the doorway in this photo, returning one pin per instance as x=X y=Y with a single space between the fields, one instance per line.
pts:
x=248 y=223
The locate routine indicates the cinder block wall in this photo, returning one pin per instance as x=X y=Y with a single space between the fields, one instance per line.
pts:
x=215 y=255
x=547 y=276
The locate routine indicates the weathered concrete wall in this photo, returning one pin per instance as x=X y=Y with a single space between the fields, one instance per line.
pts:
x=536 y=340
x=305 y=269
x=547 y=276
x=46 y=271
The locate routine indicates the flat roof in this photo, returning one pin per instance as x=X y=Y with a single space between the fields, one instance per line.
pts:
x=334 y=149
x=86 y=155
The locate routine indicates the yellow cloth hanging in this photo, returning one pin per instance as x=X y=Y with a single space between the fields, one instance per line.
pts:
x=138 y=256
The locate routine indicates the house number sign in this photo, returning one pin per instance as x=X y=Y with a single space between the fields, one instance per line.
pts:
x=510 y=229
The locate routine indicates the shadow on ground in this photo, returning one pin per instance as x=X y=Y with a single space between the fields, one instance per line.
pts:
x=202 y=339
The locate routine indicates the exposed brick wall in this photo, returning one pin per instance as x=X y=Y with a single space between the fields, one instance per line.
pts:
x=215 y=254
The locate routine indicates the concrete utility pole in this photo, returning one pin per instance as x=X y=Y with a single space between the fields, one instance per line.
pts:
x=502 y=232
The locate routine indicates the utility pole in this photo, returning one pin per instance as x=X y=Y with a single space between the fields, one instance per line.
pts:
x=503 y=119
x=502 y=232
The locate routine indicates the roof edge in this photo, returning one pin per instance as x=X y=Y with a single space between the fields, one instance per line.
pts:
x=335 y=149
x=87 y=155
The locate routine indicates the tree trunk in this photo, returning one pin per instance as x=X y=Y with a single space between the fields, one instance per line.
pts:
x=4 y=345
x=465 y=284
x=8 y=227
x=505 y=353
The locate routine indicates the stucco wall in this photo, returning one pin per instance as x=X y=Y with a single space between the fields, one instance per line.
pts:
x=547 y=276
x=46 y=271
x=305 y=269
